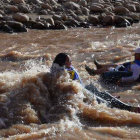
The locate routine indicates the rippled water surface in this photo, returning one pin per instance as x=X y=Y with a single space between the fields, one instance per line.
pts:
x=35 y=105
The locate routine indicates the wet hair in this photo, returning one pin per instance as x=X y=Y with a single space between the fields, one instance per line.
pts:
x=60 y=59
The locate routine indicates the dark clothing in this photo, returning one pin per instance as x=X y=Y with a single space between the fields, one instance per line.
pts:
x=105 y=97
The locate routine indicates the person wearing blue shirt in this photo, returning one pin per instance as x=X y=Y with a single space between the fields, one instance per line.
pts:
x=62 y=62
x=126 y=72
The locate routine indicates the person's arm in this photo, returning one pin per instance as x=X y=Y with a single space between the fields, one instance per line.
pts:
x=136 y=73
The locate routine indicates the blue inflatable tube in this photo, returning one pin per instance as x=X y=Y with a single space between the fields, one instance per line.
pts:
x=114 y=76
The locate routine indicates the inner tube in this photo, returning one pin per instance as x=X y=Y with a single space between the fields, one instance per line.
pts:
x=114 y=76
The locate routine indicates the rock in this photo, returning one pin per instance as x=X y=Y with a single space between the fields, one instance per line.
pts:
x=35 y=25
x=138 y=8
x=108 y=9
x=72 y=14
x=62 y=1
x=7 y=29
x=35 y=1
x=121 y=22
x=135 y=17
x=16 y=26
x=71 y=22
x=131 y=8
x=85 y=11
x=1 y=17
x=72 y=5
x=24 y=8
x=47 y=25
x=129 y=19
x=118 y=19
x=118 y=4
x=58 y=9
x=134 y=2
x=53 y=2
x=120 y=10
x=20 y=17
x=107 y=20
x=93 y=20
x=83 y=3
x=109 y=13
x=75 y=1
x=97 y=4
x=2 y=23
x=56 y=17
x=7 y=18
x=12 y=9
x=106 y=0
x=46 y=6
x=51 y=12
x=50 y=21
x=17 y=1
x=78 y=12
x=43 y=12
x=84 y=25
x=64 y=17
x=80 y=19
x=106 y=5
x=58 y=25
x=125 y=23
x=7 y=1
x=96 y=9
x=2 y=12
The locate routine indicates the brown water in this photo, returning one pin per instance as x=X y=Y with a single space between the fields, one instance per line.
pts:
x=35 y=105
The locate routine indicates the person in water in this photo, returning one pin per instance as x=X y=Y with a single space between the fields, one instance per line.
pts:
x=132 y=67
x=63 y=61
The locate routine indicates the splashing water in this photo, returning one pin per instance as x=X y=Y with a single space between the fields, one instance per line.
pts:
x=38 y=105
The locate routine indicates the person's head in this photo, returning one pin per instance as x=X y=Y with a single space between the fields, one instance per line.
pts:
x=62 y=59
x=137 y=54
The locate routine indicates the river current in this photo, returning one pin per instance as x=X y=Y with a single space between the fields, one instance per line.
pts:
x=35 y=105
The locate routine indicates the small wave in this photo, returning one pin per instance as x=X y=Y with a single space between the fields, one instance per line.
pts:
x=15 y=56
x=37 y=97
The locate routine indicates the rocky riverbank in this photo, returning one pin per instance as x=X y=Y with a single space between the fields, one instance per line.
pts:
x=21 y=15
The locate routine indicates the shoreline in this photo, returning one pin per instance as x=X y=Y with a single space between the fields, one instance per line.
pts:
x=21 y=15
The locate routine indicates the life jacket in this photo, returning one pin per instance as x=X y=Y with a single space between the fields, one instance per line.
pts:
x=73 y=74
